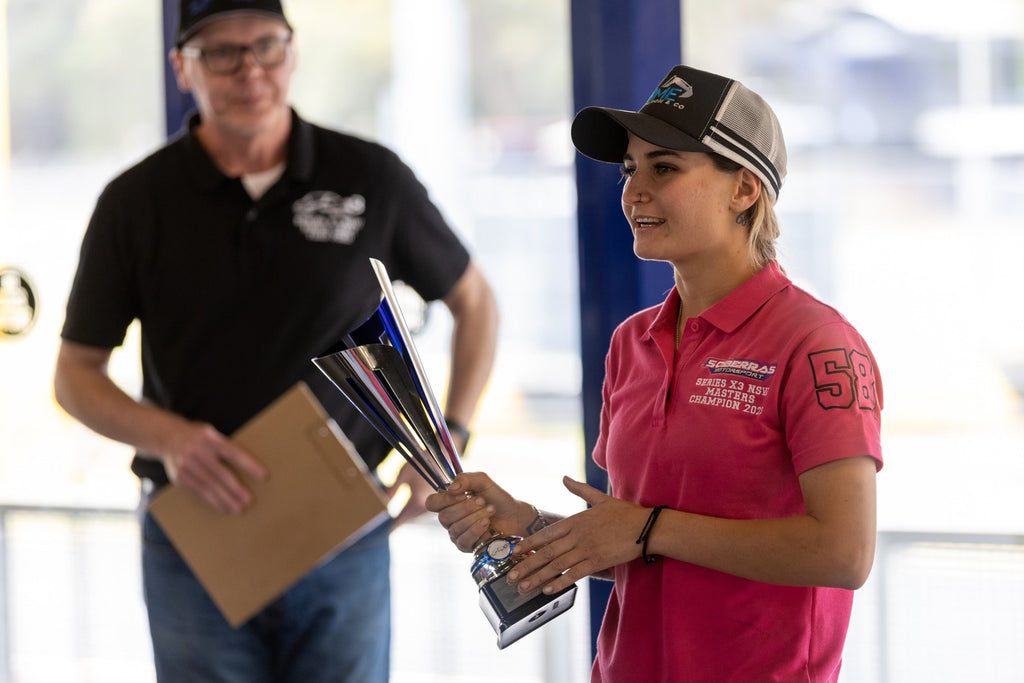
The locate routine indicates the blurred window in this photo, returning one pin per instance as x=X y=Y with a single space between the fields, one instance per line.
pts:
x=906 y=159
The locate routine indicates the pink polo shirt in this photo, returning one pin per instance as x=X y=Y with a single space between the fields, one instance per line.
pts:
x=767 y=384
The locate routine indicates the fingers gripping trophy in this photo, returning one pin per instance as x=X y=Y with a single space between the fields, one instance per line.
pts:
x=378 y=369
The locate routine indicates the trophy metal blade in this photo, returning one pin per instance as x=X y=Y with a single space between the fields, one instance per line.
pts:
x=377 y=367
x=374 y=378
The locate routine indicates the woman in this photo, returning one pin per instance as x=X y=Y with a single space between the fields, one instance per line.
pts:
x=739 y=427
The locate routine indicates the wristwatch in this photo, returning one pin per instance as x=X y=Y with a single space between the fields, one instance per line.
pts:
x=456 y=428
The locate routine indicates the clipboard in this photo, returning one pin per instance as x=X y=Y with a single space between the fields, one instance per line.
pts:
x=317 y=499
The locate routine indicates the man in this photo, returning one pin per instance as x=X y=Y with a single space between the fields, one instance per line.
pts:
x=242 y=248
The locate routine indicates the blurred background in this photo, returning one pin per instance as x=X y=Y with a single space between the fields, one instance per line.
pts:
x=905 y=128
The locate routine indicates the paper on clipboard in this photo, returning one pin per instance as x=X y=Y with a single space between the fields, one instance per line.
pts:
x=317 y=498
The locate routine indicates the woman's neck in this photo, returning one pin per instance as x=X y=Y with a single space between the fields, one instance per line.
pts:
x=700 y=288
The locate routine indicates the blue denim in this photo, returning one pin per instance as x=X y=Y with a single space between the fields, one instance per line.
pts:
x=333 y=625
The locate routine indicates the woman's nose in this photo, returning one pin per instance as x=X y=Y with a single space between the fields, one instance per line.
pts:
x=633 y=191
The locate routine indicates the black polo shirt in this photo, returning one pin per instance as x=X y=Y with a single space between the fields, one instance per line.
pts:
x=235 y=296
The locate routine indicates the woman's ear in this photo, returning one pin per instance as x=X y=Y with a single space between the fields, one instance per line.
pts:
x=748 y=189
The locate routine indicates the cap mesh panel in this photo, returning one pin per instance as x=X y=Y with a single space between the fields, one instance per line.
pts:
x=750 y=116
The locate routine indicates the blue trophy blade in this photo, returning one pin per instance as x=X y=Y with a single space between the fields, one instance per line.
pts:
x=376 y=367
x=383 y=327
x=375 y=381
x=369 y=391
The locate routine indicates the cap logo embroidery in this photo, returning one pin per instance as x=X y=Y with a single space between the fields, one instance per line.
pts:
x=671 y=89
x=197 y=6
x=324 y=216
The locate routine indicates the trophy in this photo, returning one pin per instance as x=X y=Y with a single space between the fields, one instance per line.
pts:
x=377 y=368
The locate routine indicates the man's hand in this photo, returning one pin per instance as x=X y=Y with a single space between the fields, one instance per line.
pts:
x=207 y=462
x=419 y=489
x=195 y=454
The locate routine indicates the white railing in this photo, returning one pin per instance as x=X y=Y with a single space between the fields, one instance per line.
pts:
x=938 y=606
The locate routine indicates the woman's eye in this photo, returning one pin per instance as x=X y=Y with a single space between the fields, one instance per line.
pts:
x=626 y=171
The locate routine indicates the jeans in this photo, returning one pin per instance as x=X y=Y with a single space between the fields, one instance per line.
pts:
x=333 y=625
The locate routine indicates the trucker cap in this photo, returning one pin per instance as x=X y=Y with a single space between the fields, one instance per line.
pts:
x=195 y=14
x=692 y=111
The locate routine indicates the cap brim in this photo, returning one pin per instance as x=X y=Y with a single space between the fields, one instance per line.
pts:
x=602 y=134
x=185 y=36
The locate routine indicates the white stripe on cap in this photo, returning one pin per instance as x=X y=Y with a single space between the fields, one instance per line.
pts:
x=725 y=142
x=734 y=145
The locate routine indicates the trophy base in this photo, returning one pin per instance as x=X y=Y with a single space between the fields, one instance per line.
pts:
x=512 y=615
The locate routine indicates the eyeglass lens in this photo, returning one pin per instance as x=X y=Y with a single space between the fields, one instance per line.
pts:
x=225 y=59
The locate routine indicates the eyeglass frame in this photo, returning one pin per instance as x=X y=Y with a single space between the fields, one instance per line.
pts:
x=192 y=51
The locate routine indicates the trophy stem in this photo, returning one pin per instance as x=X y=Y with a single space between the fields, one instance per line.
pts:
x=493 y=557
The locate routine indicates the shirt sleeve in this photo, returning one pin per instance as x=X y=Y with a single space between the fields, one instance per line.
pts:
x=102 y=302
x=429 y=256
x=831 y=399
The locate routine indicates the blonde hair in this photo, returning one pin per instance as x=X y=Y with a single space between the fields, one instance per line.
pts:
x=762 y=230
x=760 y=220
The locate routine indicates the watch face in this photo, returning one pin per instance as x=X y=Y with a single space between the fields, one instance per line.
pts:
x=499 y=549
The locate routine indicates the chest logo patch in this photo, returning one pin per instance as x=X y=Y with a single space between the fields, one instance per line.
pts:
x=325 y=216
x=744 y=368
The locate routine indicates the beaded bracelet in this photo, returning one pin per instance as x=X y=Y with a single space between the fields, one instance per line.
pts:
x=646 y=533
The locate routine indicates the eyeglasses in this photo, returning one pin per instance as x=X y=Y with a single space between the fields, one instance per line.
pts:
x=226 y=59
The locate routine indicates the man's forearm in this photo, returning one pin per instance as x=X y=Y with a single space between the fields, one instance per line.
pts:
x=86 y=392
x=473 y=345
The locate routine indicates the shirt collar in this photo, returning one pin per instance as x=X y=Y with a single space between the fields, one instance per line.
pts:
x=301 y=150
x=741 y=303
x=300 y=162
x=201 y=166
x=733 y=310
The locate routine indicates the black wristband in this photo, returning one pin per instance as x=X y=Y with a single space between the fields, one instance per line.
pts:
x=456 y=428
x=646 y=533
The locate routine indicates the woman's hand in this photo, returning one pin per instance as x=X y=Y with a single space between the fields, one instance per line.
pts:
x=584 y=544
x=472 y=505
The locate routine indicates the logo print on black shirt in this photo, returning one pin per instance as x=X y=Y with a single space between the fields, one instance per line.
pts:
x=325 y=216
